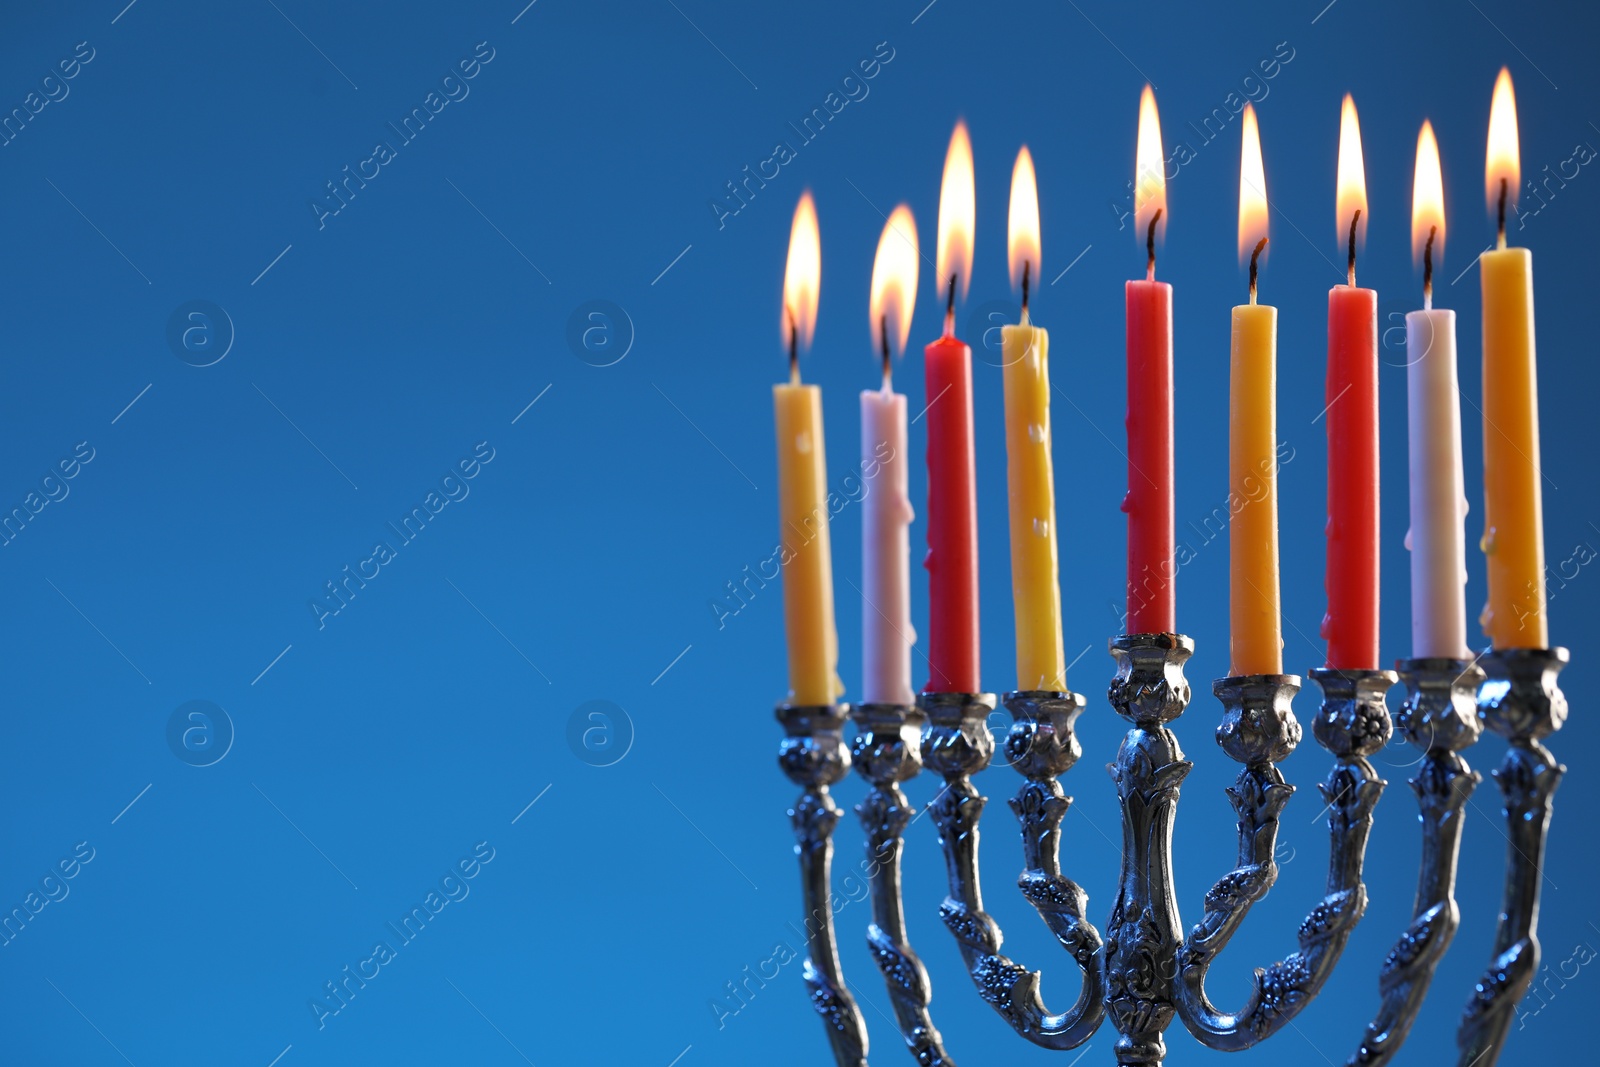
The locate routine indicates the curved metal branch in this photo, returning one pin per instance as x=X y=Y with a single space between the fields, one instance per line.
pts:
x=1041 y=746
x=887 y=753
x=958 y=745
x=1523 y=703
x=1439 y=716
x=1258 y=730
x=813 y=756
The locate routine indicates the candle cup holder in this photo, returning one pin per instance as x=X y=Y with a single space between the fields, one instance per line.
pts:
x=1522 y=702
x=813 y=756
x=887 y=753
x=1440 y=717
x=1041 y=745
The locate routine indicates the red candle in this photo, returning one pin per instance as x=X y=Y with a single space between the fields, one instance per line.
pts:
x=1152 y=562
x=1351 y=625
x=952 y=471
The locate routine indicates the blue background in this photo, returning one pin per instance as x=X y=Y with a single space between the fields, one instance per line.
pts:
x=376 y=351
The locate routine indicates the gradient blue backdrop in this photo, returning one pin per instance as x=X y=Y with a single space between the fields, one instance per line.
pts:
x=376 y=348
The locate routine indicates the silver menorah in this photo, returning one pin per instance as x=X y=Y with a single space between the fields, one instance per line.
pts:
x=1142 y=971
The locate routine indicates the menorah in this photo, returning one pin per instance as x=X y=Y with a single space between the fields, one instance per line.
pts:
x=1142 y=971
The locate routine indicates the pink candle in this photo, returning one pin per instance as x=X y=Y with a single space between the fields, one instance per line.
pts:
x=886 y=633
x=886 y=516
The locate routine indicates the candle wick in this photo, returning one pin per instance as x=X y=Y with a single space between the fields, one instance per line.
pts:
x=1150 y=247
x=1354 y=221
x=794 y=349
x=883 y=334
x=1504 y=191
x=1254 y=258
x=1427 y=269
x=1025 y=265
x=950 y=308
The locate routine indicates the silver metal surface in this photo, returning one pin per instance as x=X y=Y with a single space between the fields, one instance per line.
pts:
x=813 y=756
x=1523 y=703
x=888 y=752
x=1440 y=717
x=1145 y=973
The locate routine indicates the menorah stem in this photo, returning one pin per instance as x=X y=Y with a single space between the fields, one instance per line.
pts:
x=1522 y=702
x=1142 y=937
x=1440 y=717
x=813 y=756
x=888 y=752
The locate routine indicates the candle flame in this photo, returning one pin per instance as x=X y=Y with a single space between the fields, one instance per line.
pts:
x=957 y=211
x=1352 y=186
x=1252 y=187
x=1022 y=230
x=894 y=281
x=1504 y=162
x=802 y=274
x=1427 y=198
x=1150 y=175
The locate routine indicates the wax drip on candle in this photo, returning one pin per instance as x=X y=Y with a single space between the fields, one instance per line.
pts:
x=1501 y=240
x=950 y=309
x=1354 y=219
x=1254 y=257
x=794 y=349
x=1150 y=247
x=888 y=373
x=1427 y=273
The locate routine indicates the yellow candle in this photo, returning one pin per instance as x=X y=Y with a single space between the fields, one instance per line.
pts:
x=1255 y=612
x=1253 y=488
x=1030 y=480
x=803 y=484
x=808 y=572
x=1513 y=536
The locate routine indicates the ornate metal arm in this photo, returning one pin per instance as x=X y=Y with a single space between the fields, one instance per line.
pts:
x=1522 y=702
x=1041 y=746
x=1259 y=729
x=1440 y=717
x=813 y=756
x=888 y=752
x=957 y=746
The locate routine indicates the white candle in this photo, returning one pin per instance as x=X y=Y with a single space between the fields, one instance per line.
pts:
x=1437 y=539
x=886 y=633
x=885 y=551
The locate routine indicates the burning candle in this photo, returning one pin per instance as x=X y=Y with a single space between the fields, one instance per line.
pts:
x=802 y=482
x=1255 y=614
x=1030 y=480
x=1438 y=537
x=1152 y=564
x=1351 y=580
x=1513 y=534
x=952 y=559
x=886 y=633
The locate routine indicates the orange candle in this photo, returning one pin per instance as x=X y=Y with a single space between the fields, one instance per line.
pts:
x=803 y=483
x=1255 y=614
x=1513 y=534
